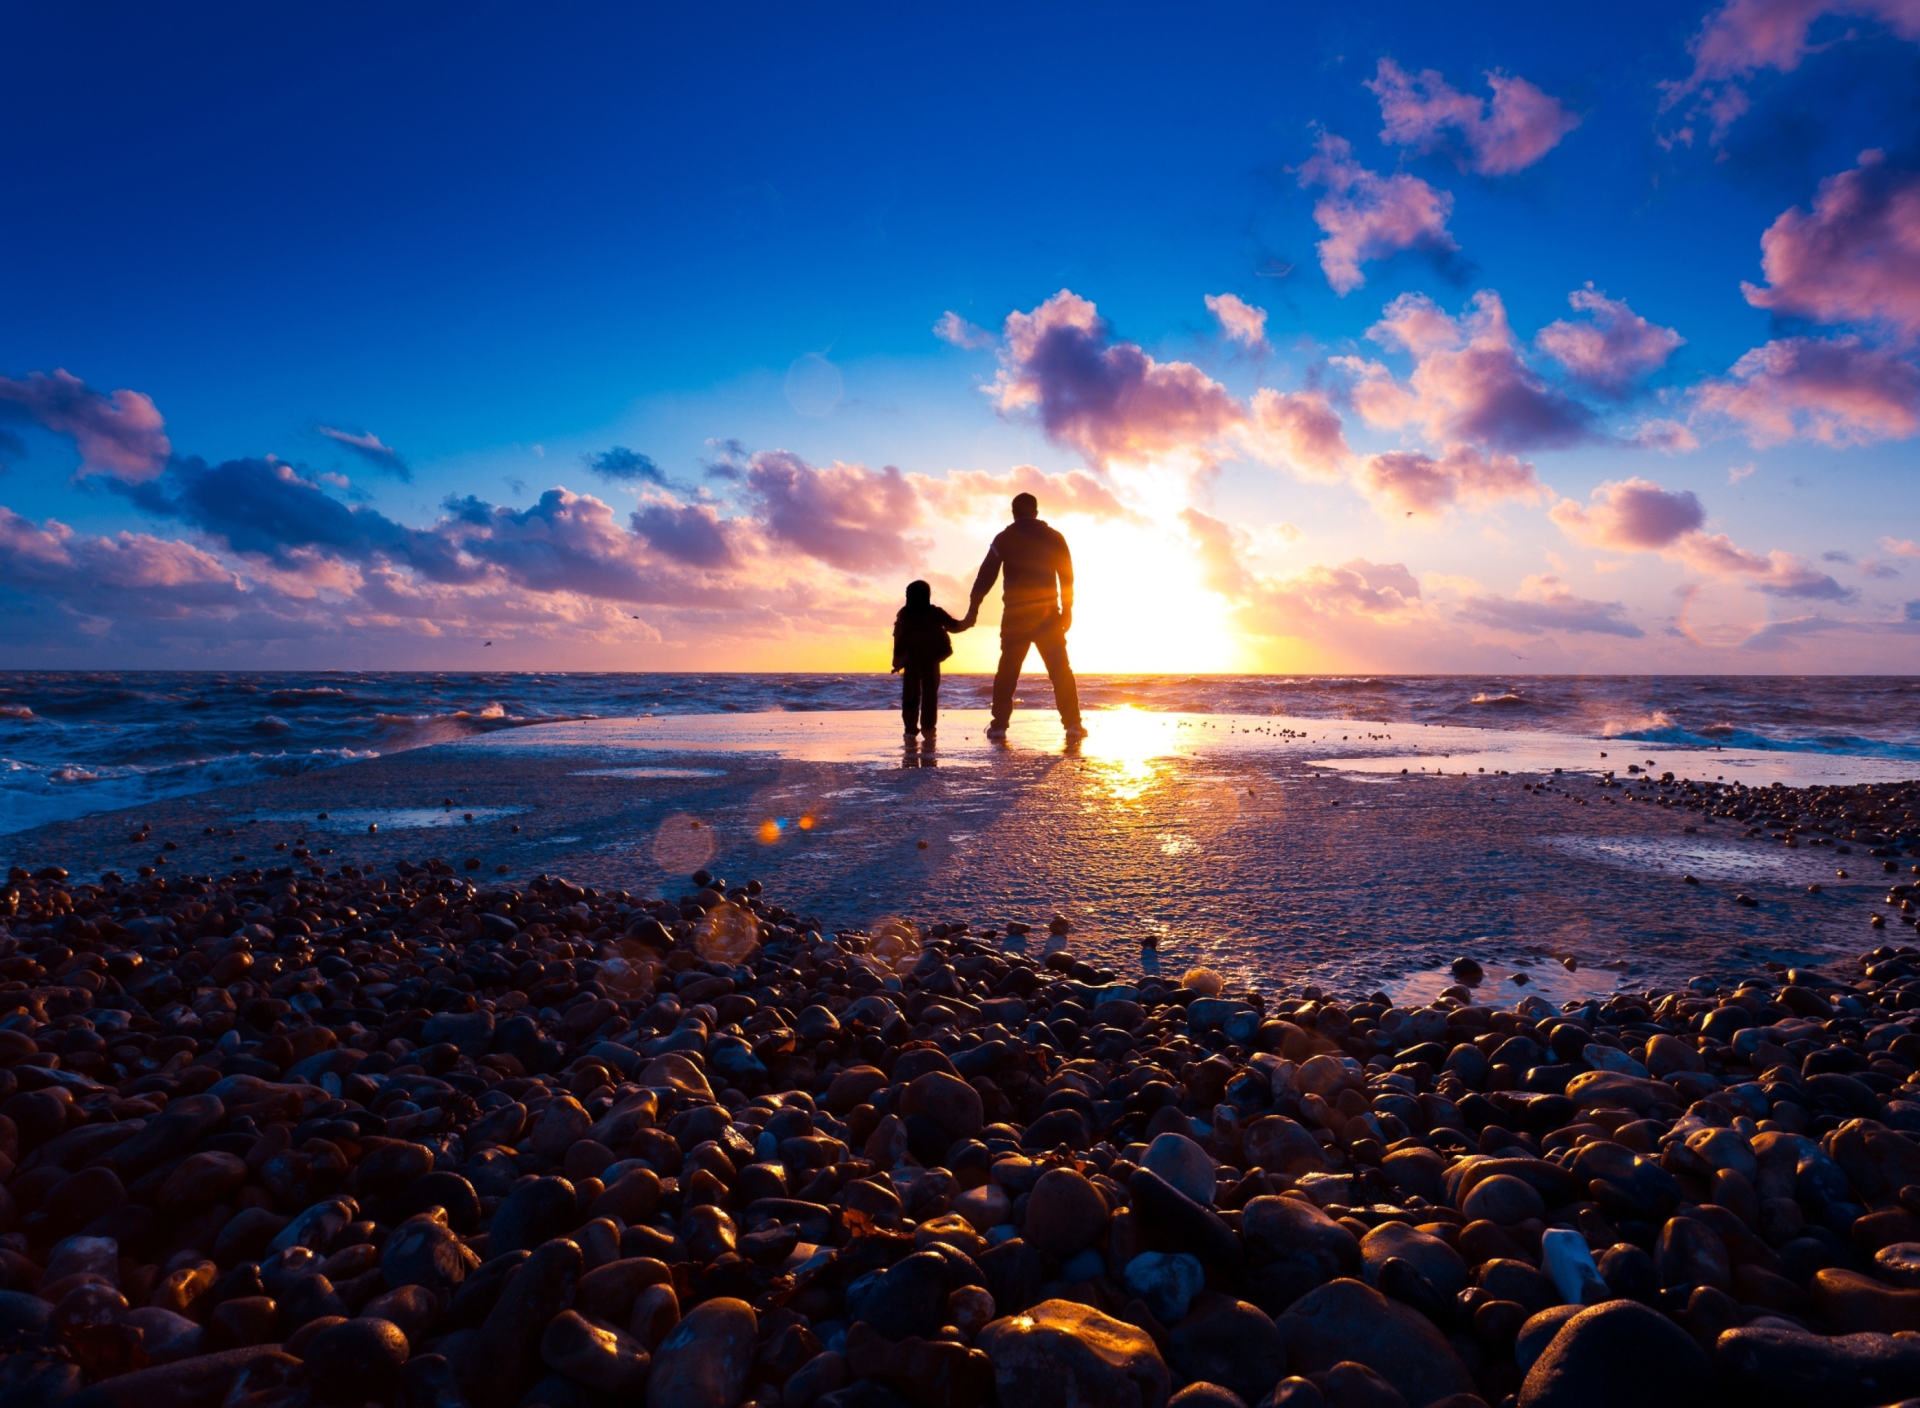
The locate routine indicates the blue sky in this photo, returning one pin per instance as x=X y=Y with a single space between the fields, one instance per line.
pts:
x=498 y=241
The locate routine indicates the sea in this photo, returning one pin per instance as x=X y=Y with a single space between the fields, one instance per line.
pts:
x=74 y=744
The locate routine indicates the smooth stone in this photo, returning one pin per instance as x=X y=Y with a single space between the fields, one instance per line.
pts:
x=1228 y=1342
x=1569 y=1264
x=1850 y=1302
x=1898 y=1264
x=908 y=1298
x=164 y=1335
x=1620 y=1352
x=1777 y=1365
x=1184 y=1164
x=1061 y=1352
x=470 y=1032
x=1167 y=1282
x=415 y=1309
x=1690 y=1253
x=532 y=1215
x=947 y=1100
x=597 y=1355
x=1537 y=1332
x=1348 y=1319
x=201 y=1181
x=608 y=1291
x=933 y=1373
x=1351 y=1385
x=561 y=1125
x=705 y=1361
x=1206 y=1396
x=1176 y=1222
x=1439 y=1263
x=1065 y=1213
x=498 y=1363
x=1327 y=1076
x=203 y=1381
x=1503 y=1199
x=357 y=1360
x=425 y=1252
x=1278 y=1229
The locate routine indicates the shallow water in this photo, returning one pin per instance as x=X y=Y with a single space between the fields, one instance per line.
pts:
x=73 y=744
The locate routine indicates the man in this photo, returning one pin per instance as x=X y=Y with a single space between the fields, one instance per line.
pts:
x=1032 y=612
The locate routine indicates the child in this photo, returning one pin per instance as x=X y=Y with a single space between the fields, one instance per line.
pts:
x=919 y=645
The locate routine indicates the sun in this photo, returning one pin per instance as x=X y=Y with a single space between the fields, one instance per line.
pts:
x=1140 y=606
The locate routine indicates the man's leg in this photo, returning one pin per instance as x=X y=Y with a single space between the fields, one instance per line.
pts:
x=930 y=701
x=1066 y=690
x=1013 y=654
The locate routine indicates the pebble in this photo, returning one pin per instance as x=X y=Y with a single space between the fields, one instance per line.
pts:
x=546 y=1149
x=1063 y=1352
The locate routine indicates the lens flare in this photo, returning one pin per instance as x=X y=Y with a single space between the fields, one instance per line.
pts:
x=683 y=844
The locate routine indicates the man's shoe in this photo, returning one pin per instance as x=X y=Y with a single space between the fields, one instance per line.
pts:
x=908 y=738
x=927 y=737
x=996 y=730
x=1076 y=730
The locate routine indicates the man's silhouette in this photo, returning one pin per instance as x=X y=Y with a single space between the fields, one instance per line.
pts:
x=1033 y=613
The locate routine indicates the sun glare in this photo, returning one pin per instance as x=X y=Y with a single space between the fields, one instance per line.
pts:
x=1140 y=606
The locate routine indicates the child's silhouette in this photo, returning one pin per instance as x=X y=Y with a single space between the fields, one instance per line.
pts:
x=920 y=643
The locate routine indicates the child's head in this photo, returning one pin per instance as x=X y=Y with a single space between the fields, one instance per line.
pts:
x=919 y=594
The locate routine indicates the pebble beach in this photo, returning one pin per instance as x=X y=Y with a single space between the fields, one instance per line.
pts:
x=404 y=1115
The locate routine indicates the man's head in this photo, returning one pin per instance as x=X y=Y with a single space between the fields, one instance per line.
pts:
x=1025 y=506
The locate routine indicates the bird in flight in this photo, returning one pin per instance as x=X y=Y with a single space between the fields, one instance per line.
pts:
x=488 y=643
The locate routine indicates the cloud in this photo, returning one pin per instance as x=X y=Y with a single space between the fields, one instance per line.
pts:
x=129 y=573
x=1420 y=483
x=625 y=466
x=1742 y=37
x=1545 y=604
x=1775 y=573
x=121 y=434
x=1300 y=429
x=957 y=330
x=845 y=515
x=1631 y=515
x=1611 y=351
x=1469 y=381
x=1239 y=320
x=1876 y=570
x=1900 y=547
x=1837 y=391
x=268 y=507
x=1357 y=587
x=1074 y=494
x=1366 y=216
x=1855 y=258
x=689 y=533
x=1108 y=399
x=1519 y=126
x=368 y=447
x=1637 y=515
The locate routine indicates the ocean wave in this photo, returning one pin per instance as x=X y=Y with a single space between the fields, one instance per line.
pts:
x=1724 y=735
x=1508 y=700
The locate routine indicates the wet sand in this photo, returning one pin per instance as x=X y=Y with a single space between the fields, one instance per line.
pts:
x=1273 y=850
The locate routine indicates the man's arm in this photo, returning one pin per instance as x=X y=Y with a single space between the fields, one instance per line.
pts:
x=984 y=579
x=1064 y=570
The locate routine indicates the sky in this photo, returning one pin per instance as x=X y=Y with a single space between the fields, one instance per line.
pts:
x=1398 y=337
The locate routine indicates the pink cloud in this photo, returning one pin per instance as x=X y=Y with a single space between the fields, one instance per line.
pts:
x=1613 y=349
x=1218 y=547
x=1301 y=429
x=845 y=515
x=1631 y=515
x=1074 y=494
x=1357 y=587
x=1744 y=36
x=1545 y=604
x=1520 y=125
x=953 y=328
x=1419 y=483
x=121 y=434
x=1367 y=216
x=1637 y=515
x=1239 y=320
x=1855 y=258
x=1837 y=391
x=368 y=447
x=1469 y=383
x=1108 y=399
